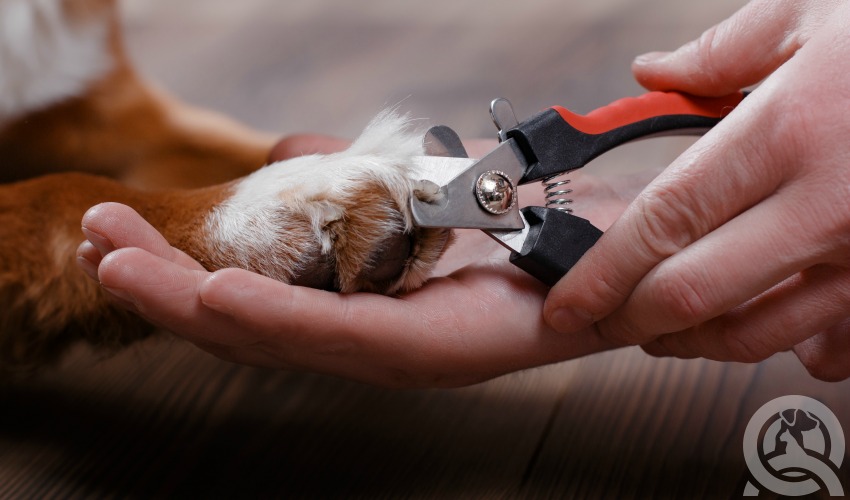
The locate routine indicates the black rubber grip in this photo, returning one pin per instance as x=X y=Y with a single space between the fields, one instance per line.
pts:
x=556 y=241
x=552 y=146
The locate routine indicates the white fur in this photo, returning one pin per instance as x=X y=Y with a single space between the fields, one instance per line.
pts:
x=45 y=57
x=248 y=223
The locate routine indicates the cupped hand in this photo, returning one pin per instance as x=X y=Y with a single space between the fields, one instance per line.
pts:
x=479 y=318
x=740 y=249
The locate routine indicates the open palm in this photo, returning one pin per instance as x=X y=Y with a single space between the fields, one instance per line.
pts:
x=478 y=318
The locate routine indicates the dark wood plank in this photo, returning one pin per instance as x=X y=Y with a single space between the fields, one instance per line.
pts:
x=165 y=419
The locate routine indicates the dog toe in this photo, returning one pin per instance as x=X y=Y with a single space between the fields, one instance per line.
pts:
x=342 y=218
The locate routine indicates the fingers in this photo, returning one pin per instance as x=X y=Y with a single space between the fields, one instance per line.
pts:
x=708 y=185
x=166 y=294
x=361 y=336
x=826 y=354
x=719 y=272
x=250 y=319
x=739 y=52
x=110 y=226
x=326 y=316
x=785 y=316
x=433 y=337
x=383 y=340
x=88 y=258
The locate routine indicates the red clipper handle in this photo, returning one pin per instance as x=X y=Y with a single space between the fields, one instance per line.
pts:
x=558 y=140
x=657 y=105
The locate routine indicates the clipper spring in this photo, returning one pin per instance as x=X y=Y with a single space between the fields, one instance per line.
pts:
x=555 y=193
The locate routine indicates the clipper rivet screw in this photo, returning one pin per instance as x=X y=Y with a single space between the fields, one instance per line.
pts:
x=495 y=192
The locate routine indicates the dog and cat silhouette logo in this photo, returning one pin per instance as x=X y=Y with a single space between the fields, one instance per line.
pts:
x=794 y=446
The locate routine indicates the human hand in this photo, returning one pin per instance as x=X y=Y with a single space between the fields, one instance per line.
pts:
x=481 y=317
x=740 y=248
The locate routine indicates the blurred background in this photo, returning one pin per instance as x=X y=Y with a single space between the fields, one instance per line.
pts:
x=329 y=66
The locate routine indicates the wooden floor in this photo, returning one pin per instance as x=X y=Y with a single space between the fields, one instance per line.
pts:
x=166 y=420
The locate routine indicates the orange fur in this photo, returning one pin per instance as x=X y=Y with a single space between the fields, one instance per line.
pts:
x=125 y=129
x=49 y=303
x=136 y=145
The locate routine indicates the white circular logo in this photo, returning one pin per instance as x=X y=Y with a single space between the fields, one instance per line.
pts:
x=794 y=446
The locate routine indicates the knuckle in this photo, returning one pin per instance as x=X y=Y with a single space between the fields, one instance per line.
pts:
x=822 y=364
x=621 y=332
x=681 y=298
x=794 y=127
x=710 y=55
x=672 y=344
x=666 y=220
x=747 y=348
x=598 y=291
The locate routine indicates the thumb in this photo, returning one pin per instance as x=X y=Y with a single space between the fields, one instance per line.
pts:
x=739 y=52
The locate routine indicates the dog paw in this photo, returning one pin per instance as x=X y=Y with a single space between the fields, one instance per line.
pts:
x=339 y=221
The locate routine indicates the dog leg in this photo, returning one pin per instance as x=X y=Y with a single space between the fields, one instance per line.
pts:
x=48 y=303
x=70 y=100
x=337 y=221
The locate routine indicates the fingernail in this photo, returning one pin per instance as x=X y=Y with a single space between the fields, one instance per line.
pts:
x=214 y=300
x=569 y=320
x=121 y=294
x=88 y=267
x=225 y=309
x=651 y=58
x=103 y=245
